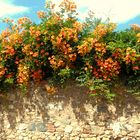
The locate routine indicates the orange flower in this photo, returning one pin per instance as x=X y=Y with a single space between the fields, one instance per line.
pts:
x=135 y=27
x=56 y=63
x=41 y=14
x=35 y=54
x=42 y=51
x=37 y=75
x=23 y=74
x=84 y=49
x=24 y=20
x=9 y=50
x=100 y=31
x=72 y=57
x=50 y=89
x=2 y=71
x=135 y=68
x=107 y=69
x=58 y=40
x=37 y=33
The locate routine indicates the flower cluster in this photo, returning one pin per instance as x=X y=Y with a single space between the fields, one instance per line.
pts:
x=130 y=55
x=23 y=74
x=107 y=69
x=56 y=63
x=41 y=14
x=37 y=75
x=68 y=5
x=102 y=29
x=99 y=47
x=85 y=47
x=135 y=27
x=24 y=20
x=2 y=71
x=138 y=36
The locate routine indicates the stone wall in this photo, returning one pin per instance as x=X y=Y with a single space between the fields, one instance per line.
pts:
x=68 y=115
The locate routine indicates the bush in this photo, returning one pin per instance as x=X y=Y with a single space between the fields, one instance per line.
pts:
x=63 y=47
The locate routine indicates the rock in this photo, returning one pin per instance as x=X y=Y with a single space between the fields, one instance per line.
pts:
x=12 y=136
x=74 y=123
x=24 y=134
x=136 y=121
x=51 y=105
x=35 y=138
x=8 y=132
x=12 y=97
x=112 y=109
x=21 y=138
x=26 y=138
x=51 y=127
x=97 y=130
x=101 y=108
x=64 y=121
x=123 y=133
x=11 y=107
x=123 y=119
x=84 y=135
x=68 y=129
x=92 y=123
x=32 y=127
x=129 y=127
x=59 y=107
x=8 y=125
x=60 y=130
x=41 y=127
x=107 y=132
x=57 y=124
x=102 y=124
x=94 y=138
x=138 y=133
x=22 y=126
x=105 y=138
x=87 y=131
x=116 y=127
x=77 y=138
x=58 y=138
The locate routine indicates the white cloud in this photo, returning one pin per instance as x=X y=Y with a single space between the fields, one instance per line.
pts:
x=7 y=8
x=117 y=10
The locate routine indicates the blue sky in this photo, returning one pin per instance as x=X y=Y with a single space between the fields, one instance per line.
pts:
x=122 y=12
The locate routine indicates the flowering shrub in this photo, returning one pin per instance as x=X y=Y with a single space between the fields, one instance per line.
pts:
x=63 y=47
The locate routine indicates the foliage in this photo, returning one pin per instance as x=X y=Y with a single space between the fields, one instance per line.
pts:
x=61 y=46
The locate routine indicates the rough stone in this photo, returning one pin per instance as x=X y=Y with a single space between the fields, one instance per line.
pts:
x=11 y=107
x=51 y=105
x=26 y=138
x=58 y=138
x=22 y=126
x=68 y=129
x=57 y=124
x=97 y=130
x=129 y=127
x=32 y=127
x=94 y=138
x=51 y=127
x=105 y=138
x=41 y=127
x=107 y=132
x=123 y=119
x=123 y=133
x=21 y=138
x=116 y=127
